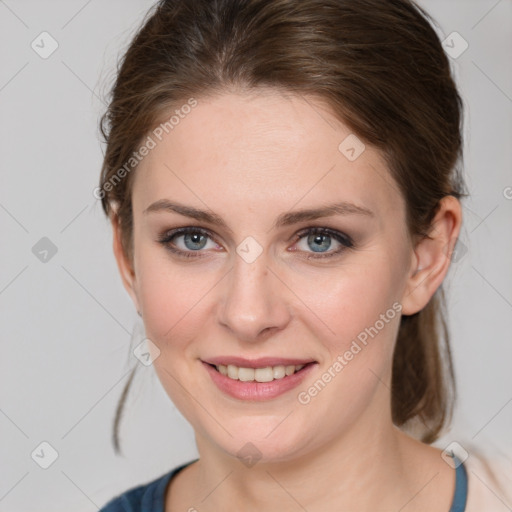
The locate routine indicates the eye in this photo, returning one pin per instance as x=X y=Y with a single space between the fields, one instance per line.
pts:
x=320 y=240
x=195 y=239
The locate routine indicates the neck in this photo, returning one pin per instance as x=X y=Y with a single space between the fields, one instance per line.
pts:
x=365 y=469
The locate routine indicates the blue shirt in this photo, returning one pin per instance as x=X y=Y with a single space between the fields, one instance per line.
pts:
x=150 y=497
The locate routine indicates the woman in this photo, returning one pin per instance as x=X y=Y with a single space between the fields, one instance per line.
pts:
x=284 y=188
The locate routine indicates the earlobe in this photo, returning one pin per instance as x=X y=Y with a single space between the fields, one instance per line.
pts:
x=126 y=270
x=432 y=256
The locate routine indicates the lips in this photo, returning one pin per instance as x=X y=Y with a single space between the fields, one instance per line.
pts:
x=258 y=379
x=261 y=362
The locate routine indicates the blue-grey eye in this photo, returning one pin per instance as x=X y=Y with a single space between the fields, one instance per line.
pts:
x=319 y=243
x=187 y=240
x=194 y=241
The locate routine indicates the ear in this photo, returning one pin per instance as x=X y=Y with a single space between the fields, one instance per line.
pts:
x=432 y=256
x=125 y=267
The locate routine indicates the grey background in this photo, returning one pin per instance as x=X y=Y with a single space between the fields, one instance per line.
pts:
x=68 y=326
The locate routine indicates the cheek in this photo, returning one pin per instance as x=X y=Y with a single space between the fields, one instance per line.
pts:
x=172 y=301
x=344 y=302
x=173 y=297
x=169 y=301
x=360 y=315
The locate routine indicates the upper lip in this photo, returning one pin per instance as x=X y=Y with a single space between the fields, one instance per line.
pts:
x=261 y=362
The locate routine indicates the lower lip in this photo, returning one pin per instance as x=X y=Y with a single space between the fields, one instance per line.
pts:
x=257 y=390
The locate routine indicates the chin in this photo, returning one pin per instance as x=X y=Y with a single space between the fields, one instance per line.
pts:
x=253 y=447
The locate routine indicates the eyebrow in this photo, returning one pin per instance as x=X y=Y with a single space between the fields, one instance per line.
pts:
x=286 y=219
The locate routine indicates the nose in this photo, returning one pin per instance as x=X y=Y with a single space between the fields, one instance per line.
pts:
x=253 y=303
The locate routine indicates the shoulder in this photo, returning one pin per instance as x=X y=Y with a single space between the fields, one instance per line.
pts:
x=132 y=499
x=129 y=501
x=120 y=504
x=142 y=497
x=489 y=483
x=488 y=465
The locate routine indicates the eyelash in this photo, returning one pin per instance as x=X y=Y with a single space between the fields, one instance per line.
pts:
x=344 y=240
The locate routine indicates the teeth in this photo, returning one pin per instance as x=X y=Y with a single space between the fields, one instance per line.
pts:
x=257 y=374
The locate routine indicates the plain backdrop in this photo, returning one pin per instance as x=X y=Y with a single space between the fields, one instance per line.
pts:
x=67 y=324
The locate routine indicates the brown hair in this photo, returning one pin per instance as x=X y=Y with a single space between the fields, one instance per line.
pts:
x=380 y=67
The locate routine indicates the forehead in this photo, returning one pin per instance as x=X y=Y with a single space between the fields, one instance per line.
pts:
x=260 y=149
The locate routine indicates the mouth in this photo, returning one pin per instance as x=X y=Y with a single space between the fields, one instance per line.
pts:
x=263 y=374
x=255 y=382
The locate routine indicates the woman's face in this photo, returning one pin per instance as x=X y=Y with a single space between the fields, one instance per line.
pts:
x=254 y=284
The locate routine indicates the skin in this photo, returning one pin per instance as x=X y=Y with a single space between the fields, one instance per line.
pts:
x=250 y=157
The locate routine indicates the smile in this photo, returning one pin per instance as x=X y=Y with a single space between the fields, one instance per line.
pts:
x=257 y=384
x=266 y=374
